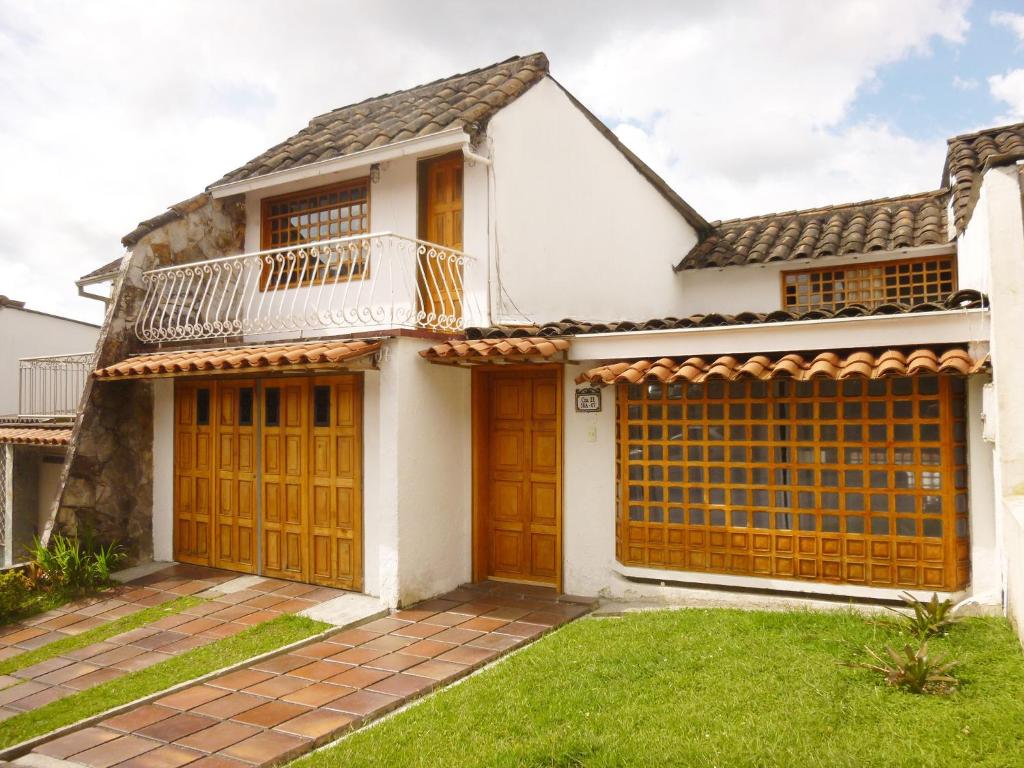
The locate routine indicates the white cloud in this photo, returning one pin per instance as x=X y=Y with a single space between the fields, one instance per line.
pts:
x=1009 y=88
x=1013 y=21
x=964 y=84
x=113 y=109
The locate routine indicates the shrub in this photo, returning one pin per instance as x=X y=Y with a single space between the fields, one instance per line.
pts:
x=913 y=670
x=15 y=589
x=930 y=619
x=70 y=565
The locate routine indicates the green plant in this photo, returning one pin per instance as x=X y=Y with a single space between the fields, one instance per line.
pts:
x=929 y=619
x=15 y=590
x=913 y=670
x=69 y=564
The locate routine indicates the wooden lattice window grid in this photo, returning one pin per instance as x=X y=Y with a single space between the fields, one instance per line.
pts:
x=907 y=281
x=313 y=215
x=855 y=481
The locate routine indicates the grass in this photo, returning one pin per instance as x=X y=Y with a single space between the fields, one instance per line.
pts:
x=96 y=634
x=711 y=688
x=251 y=642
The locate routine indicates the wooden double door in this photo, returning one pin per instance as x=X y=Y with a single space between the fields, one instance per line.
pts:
x=518 y=475
x=267 y=477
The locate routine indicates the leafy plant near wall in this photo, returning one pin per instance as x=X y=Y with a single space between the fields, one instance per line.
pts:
x=929 y=619
x=73 y=565
x=913 y=670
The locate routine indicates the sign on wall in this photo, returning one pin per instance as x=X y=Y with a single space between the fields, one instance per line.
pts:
x=588 y=400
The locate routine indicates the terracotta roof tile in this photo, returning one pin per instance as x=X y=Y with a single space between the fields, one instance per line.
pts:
x=466 y=100
x=235 y=358
x=965 y=299
x=35 y=435
x=830 y=365
x=499 y=349
x=966 y=158
x=873 y=225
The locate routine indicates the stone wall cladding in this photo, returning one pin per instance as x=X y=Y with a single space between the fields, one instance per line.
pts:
x=107 y=480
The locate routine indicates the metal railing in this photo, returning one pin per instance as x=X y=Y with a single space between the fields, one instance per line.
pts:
x=375 y=281
x=52 y=385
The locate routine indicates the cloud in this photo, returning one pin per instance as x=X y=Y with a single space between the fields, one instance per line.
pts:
x=1009 y=89
x=114 y=109
x=1013 y=21
x=964 y=84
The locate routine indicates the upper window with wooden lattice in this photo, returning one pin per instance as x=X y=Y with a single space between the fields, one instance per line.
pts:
x=908 y=281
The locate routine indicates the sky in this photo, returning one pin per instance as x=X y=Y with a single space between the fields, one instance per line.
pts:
x=112 y=110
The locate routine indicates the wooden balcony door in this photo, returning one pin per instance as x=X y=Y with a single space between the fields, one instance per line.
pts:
x=268 y=477
x=518 y=475
x=440 y=281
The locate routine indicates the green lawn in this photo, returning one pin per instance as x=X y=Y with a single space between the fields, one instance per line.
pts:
x=96 y=634
x=711 y=688
x=251 y=642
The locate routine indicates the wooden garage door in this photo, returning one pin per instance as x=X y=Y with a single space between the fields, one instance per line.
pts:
x=520 y=463
x=268 y=477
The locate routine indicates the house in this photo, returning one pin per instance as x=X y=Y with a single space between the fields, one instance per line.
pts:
x=40 y=387
x=348 y=363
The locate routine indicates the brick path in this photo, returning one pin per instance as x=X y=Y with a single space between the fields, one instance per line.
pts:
x=221 y=616
x=279 y=708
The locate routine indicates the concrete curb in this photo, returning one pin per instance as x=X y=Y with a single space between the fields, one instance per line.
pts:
x=17 y=750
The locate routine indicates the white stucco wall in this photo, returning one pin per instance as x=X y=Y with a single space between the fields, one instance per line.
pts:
x=163 y=469
x=580 y=232
x=24 y=333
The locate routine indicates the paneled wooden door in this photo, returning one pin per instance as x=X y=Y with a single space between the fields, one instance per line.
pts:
x=518 y=475
x=268 y=477
x=439 y=280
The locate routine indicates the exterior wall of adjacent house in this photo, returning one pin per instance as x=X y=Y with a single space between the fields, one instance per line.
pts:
x=580 y=233
x=26 y=333
x=993 y=245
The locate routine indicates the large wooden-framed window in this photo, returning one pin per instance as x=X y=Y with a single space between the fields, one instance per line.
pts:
x=905 y=281
x=310 y=216
x=857 y=481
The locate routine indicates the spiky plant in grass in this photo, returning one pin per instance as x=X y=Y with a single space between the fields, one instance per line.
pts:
x=913 y=670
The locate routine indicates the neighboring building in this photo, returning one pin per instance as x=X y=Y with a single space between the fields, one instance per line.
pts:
x=345 y=363
x=40 y=389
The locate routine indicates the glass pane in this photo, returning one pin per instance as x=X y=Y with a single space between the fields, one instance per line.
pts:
x=245 y=401
x=202 y=407
x=321 y=406
x=272 y=407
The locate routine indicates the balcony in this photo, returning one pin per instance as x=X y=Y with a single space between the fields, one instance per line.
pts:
x=50 y=387
x=362 y=283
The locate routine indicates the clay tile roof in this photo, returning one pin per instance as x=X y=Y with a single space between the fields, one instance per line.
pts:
x=467 y=100
x=470 y=351
x=967 y=158
x=830 y=365
x=35 y=435
x=965 y=299
x=110 y=269
x=314 y=353
x=873 y=225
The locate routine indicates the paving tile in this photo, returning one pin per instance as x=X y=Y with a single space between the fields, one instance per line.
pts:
x=64 y=674
x=76 y=742
x=192 y=697
x=196 y=626
x=115 y=751
x=203 y=609
x=219 y=736
x=40 y=640
x=133 y=635
x=419 y=630
x=177 y=727
x=270 y=714
x=228 y=706
x=258 y=618
x=412 y=614
x=140 y=717
x=20 y=636
x=116 y=656
x=103 y=675
x=62 y=620
x=436 y=670
x=233 y=612
x=226 y=629
x=359 y=677
x=281 y=664
x=428 y=648
x=20 y=691
x=167 y=756
x=278 y=686
x=318 y=694
x=388 y=643
x=507 y=613
x=42 y=668
x=402 y=685
x=243 y=678
x=356 y=636
x=359 y=655
x=263 y=602
x=384 y=625
x=457 y=635
x=365 y=703
x=319 y=670
x=170 y=622
x=483 y=624
x=90 y=650
x=519 y=629
x=142 y=661
x=437 y=604
x=448 y=619
x=159 y=639
x=495 y=642
x=217 y=761
x=469 y=655
x=41 y=699
x=266 y=747
x=319 y=650
x=316 y=724
x=295 y=605
x=83 y=626
x=295 y=590
x=546 y=618
x=395 y=662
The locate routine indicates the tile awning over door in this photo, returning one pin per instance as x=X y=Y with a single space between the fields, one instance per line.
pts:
x=315 y=355
x=830 y=365
x=20 y=435
x=516 y=350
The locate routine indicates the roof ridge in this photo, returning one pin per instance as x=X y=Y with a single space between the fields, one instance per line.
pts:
x=984 y=131
x=826 y=208
x=509 y=60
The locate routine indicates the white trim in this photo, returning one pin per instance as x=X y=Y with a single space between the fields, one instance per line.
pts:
x=949 y=327
x=684 y=578
x=450 y=138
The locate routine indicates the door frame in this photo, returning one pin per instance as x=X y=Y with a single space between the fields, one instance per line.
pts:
x=481 y=376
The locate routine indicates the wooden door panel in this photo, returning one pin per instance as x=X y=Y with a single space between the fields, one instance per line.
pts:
x=441 y=281
x=233 y=505
x=193 y=473
x=285 y=495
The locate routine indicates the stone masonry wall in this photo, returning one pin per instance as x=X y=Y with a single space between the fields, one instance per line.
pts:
x=107 y=480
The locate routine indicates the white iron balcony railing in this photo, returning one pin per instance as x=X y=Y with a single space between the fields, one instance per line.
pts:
x=365 y=282
x=52 y=385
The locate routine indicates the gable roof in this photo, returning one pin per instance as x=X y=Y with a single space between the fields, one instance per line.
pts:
x=466 y=100
x=108 y=270
x=969 y=155
x=884 y=224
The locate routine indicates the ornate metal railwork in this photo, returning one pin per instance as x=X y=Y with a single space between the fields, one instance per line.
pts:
x=375 y=281
x=52 y=385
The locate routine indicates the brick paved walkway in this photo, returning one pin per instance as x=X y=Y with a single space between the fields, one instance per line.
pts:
x=281 y=707
x=220 y=616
